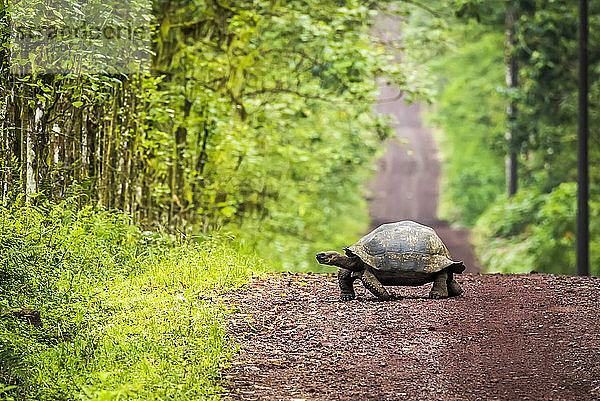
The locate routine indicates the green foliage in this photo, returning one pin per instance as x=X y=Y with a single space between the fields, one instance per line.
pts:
x=470 y=113
x=280 y=135
x=126 y=314
x=315 y=200
x=511 y=216
x=534 y=231
x=257 y=118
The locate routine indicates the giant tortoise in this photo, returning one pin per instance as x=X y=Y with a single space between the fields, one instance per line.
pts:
x=402 y=253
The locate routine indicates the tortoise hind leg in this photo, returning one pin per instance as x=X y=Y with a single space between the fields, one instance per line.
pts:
x=440 y=285
x=346 y=283
x=372 y=284
x=454 y=288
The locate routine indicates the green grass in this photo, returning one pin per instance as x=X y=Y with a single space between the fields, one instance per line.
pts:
x=126 y=314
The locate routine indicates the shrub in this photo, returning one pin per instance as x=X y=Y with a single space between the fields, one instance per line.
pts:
x=535 y=231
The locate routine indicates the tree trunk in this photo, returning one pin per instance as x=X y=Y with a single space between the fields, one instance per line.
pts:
x=201 y=158
x=84 y=145
x=107 y=154
x=512 y=72
x=132 y=182
x=6 y=154
x=55 y=170
x=178 y=203
x=67 y=152
x=23 y=118
x=32 y=134
x=96 y=151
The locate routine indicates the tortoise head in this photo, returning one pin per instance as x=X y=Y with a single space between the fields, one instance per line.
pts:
x=328 y=258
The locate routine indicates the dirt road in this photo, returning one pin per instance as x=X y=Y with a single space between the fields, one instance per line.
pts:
x=406 y=186
x=509 y=337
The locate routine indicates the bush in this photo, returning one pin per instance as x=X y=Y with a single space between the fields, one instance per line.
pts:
x=535 y=231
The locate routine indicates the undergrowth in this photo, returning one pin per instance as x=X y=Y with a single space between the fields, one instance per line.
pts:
x=126 y=314
x=536 y=231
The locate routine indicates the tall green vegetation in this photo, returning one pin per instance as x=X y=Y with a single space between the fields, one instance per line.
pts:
x=471 y=112
x=125 y=314
x=535 y=229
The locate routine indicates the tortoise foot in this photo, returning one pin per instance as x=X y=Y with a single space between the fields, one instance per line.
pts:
x=454 y=289
x=438 y=294
x=346 y=296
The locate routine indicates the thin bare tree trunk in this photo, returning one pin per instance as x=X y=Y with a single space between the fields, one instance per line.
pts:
x=23 y=141
x=512 y=82
x=201 y=157
x=32 y=133
x=109 y=136
x=124 y=157
x=84 y=144
x=67 y=148
x=6 y=154
x=132 y=162
x=97 y=159
x=77 y=144
x=178 y=195
x=55 y=170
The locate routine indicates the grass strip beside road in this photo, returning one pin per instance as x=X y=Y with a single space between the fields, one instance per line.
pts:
x=125 y=314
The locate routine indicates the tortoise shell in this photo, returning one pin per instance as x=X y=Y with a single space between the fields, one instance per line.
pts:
x=403 y=247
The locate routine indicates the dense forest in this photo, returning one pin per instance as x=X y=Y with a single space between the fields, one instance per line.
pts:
x=136 y=186
x=140 y=178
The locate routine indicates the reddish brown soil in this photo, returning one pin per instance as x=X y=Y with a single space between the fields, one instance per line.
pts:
x=509 y=337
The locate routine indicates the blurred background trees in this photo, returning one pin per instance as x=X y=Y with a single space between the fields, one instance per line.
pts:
x=257 y=118
x=536 y=228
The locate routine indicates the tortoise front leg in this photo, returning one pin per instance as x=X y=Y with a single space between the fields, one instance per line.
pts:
x=440 y=286
x=346 y=283
x=372 y=284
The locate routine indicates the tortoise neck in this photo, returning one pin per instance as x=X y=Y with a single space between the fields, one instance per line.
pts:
x=352 y=263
